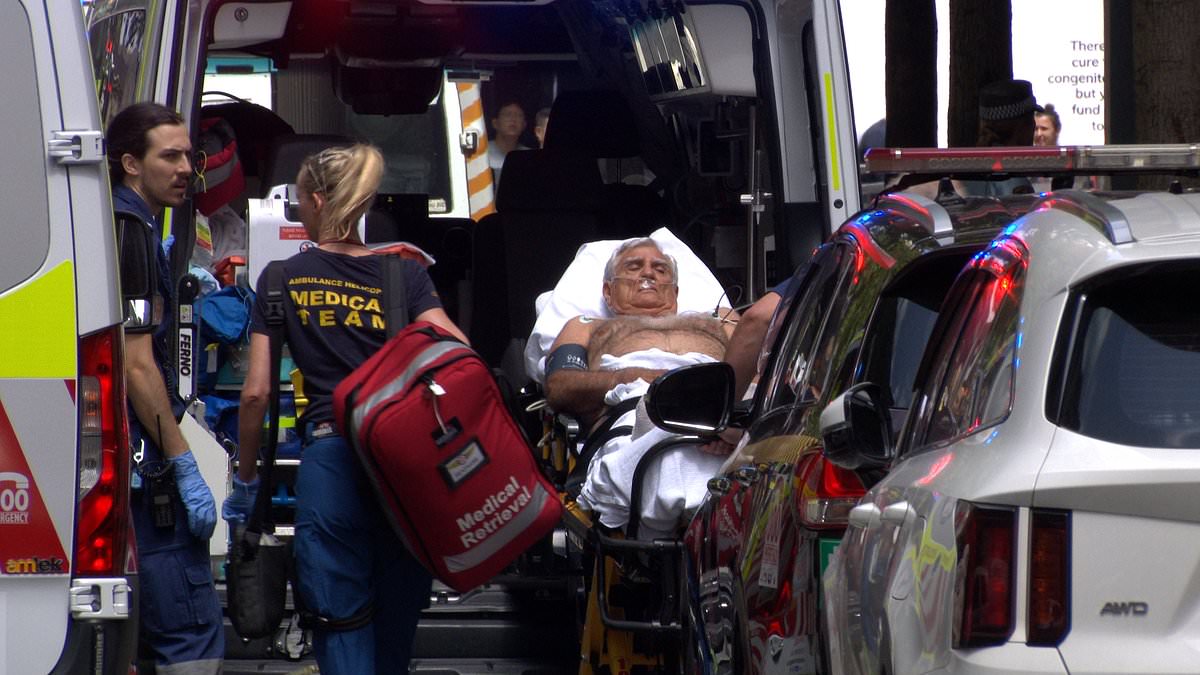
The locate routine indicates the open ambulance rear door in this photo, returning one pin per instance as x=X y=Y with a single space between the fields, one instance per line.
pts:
x=66 y=558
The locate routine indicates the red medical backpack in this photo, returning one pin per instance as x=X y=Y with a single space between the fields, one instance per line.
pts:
x=455 y=475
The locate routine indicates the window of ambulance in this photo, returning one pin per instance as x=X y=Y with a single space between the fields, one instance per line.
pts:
x=23 y=248
x=119 y=46
x=238 y=79
x=414 y=146
x=968 y=386
x=1132 y=372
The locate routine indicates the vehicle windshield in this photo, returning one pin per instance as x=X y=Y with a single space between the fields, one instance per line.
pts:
x=1132 y=377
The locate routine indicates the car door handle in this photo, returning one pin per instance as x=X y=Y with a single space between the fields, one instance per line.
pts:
x=864 y=516
x=894 y=513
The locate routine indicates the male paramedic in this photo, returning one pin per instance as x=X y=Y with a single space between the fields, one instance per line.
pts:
x=149 y=155
x=591 y=357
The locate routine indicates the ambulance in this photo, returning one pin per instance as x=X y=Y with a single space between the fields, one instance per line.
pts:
x=67 y=570
x=728 y=121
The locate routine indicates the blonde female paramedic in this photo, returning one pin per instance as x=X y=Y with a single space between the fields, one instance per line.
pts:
x=353 y=571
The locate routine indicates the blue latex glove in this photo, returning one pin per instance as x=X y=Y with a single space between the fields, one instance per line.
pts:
x=240 y=503
x=197 y=498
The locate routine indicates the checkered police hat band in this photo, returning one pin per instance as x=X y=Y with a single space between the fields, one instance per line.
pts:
x=1008 y=110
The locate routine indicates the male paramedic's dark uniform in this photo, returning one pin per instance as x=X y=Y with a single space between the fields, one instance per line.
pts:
x=178 y=607
x=349 y=561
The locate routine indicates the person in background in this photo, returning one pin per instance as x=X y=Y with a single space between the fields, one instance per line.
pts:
x=507 y=126
x=1006 y=111
x=174 y=514
x=540 y=120
x=874 y=137
x=1047 y=126
x=353 y=572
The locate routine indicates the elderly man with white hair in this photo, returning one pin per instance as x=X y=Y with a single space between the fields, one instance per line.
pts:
x=646 y=336
x=600 y=362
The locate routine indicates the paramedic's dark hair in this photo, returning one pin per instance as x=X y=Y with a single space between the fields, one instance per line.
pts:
x=610 y=268
x=348 y=179
x=127 y=133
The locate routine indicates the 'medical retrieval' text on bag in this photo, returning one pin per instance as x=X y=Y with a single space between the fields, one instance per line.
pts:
x=453 y=471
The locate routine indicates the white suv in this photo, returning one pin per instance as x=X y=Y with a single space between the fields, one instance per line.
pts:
x=1040 y=514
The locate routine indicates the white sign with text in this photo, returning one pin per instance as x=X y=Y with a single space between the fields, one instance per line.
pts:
x=1058 y=47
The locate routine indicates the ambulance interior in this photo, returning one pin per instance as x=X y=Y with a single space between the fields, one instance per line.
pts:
x=654 y=121
x=658 y=117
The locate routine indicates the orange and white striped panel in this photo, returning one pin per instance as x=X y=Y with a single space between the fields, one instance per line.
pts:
x=479 y=174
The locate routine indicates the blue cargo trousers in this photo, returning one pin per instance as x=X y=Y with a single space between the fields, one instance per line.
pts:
x=179 y=611
x=348 y=559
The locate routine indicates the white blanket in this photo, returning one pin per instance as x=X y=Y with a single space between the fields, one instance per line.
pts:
x=673 y=486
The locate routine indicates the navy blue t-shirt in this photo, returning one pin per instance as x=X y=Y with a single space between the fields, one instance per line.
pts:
x=334 y=316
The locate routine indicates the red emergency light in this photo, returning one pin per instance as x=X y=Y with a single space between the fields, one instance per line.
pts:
x=1035 y=161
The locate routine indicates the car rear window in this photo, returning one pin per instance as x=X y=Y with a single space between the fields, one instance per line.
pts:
x=1134 y=372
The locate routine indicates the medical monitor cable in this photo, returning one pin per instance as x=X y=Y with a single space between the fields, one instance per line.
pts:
x=716 y=313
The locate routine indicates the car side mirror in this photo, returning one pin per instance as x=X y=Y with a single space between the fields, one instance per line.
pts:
x=692 y=400
x=856 y=428
x=139 y=271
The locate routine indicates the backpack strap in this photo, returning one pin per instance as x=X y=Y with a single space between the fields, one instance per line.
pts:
x=260 y=520
x=395 y=295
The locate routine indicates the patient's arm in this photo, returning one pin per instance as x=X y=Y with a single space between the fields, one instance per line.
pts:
x=747 y=341
x=581 y=392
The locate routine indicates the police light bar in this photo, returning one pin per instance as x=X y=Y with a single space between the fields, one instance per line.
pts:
x=1035 y=161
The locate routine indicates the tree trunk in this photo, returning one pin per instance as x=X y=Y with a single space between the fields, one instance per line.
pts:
x=980 y=53
x=910 y=48
x=1165 y=86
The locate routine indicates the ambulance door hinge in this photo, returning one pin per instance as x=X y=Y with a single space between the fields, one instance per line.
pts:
x=101 y=598
x=77 y=147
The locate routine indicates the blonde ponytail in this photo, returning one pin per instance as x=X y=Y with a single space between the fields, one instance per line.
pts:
x=348 y=178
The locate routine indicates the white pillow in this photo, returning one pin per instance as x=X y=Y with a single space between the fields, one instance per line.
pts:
x=579 y=293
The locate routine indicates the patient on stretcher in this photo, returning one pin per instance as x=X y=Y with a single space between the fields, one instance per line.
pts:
x=595 y=363
x=641 y=293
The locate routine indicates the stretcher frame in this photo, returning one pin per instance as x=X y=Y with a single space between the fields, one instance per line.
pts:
x=612 y=642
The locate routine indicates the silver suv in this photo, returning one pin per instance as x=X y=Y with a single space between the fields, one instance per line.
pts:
x=1039 y=515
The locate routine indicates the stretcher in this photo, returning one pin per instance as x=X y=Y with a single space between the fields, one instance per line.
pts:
x=631 y=616
x=631 y=585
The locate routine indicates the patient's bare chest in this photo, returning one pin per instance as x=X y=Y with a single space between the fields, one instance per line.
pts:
x=678 y=335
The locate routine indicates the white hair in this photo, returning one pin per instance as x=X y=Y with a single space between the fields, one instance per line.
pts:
x=610 y=269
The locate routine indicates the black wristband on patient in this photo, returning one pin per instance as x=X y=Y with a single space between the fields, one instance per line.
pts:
x=567 y=357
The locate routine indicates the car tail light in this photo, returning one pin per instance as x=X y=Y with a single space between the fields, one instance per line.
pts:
x=103 y=528
x=826 y=492
x=984 y=594
x=1049 y=578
